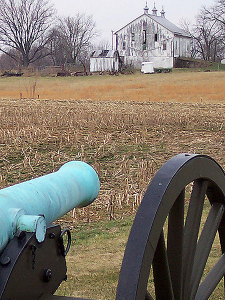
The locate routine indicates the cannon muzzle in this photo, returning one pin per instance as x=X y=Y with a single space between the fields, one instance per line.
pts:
x=31 y=205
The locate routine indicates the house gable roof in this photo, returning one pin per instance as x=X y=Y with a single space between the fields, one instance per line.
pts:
x=104 y=53
x=170 y=26
x=163 y=22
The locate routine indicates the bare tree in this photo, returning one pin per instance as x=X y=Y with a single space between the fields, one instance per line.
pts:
x=57 y=47
x=207 y=35
x=24 y=26
x=76 y=34
x=217 y=12
x=215 y=15
x=187 y=26
x=103 y=45
x=7 y=63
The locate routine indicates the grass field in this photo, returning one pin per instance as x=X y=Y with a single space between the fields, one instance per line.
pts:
x=174 y=87
x=126 y=127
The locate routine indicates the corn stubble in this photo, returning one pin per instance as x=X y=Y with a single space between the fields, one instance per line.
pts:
x=126 y=142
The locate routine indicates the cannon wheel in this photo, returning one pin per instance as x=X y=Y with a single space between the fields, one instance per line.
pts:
x=178 y=264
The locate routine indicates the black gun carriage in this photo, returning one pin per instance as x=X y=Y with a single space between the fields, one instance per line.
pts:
x=168 y=236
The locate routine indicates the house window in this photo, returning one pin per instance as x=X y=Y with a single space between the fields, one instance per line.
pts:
x=144 y=37
x=132 y=36
x=156 y=37
x=124 y=45
x=144 y=25
x=164 y=46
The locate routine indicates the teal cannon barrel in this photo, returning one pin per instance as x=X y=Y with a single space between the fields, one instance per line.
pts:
x=32 y=205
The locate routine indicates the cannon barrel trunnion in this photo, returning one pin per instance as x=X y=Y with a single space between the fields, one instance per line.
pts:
x=30 y=205
x=32 y=253
x=172 y=233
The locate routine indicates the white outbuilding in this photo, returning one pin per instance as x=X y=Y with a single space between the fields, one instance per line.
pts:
x=104 y=60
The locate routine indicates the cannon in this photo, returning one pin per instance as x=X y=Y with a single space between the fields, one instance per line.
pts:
x=169 y=242
x=32 y=252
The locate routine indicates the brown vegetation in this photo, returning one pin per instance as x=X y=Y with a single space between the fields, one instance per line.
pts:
x=173 y=87
x=126 y=142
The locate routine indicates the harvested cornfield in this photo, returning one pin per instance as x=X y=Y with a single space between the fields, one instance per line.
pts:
x=126 y=127
x=125 y=141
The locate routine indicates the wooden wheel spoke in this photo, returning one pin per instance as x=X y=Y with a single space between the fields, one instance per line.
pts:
x=161 y=272
x=191 y=231
x=148 y=296
x=205 y=244
x=178 y=266
x=212 y=279
x=175 y=242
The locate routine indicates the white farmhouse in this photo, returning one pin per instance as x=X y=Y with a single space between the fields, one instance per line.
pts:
x=152 y=38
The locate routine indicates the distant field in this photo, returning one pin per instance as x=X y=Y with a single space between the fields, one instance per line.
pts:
x=174 y=87
x=126 y=127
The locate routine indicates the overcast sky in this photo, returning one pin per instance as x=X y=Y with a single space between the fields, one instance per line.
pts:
x=114 y=14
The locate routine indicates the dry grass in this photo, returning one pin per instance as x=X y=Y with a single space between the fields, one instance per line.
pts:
x=94 y=260
x=174 y=87
x=125 y=141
